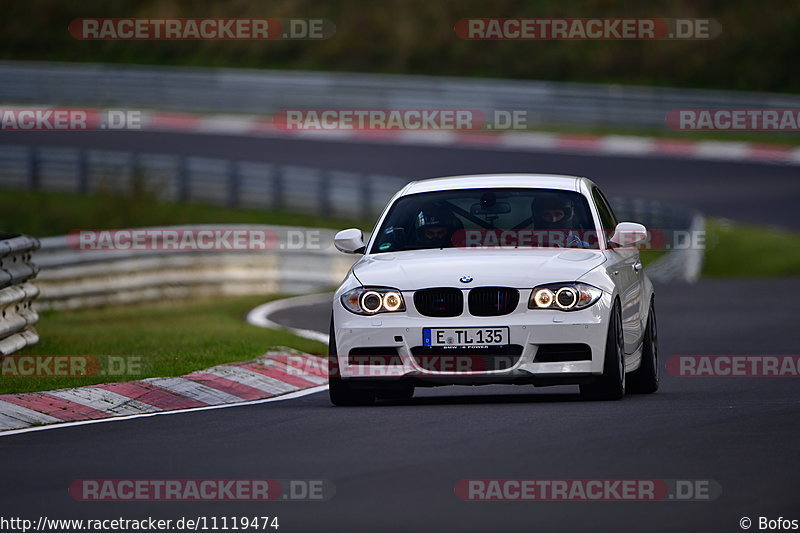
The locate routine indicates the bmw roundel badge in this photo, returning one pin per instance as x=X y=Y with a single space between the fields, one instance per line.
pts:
x=465 y=279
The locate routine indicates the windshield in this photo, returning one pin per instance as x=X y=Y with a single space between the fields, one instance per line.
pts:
x=488 y=217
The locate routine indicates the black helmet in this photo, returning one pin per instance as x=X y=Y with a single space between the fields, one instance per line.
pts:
x=434 y=226
x=546 y=202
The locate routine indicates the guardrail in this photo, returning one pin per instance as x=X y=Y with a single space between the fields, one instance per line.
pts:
x=232 y=183
x=72 y=278
x=267 y=91
x=17 y=292
x=683 y=263
x=198 y=179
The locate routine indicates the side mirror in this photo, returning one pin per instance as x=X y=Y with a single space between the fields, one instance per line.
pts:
x=350 y=241
x=628 y=233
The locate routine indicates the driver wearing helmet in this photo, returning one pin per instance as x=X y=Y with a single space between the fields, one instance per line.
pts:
x=555 y=216
x=435 y=227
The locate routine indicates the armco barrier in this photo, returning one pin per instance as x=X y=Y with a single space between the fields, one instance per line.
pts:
x=684 y=263
x=264 y=92
x=231 y=183
x=235 y=183
x=17 y=292
x=72 y=278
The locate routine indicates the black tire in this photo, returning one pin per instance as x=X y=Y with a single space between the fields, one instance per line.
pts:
x=341 y=393
x=611 y=385
x=645 y=379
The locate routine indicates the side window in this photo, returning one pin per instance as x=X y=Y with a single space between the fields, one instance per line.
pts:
x=607 y=218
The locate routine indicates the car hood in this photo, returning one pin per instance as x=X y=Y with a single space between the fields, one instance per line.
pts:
x=520 y=268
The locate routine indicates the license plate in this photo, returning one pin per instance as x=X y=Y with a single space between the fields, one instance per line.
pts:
x=465 y=336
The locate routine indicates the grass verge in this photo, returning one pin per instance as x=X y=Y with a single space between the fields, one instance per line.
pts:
x=737 y=250
x=42 y=214
x=147 y=340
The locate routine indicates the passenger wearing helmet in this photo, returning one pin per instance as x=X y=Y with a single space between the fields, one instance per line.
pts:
x=435 y=227
x=553 y=214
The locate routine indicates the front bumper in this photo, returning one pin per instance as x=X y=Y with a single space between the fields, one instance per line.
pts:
x=528 y=329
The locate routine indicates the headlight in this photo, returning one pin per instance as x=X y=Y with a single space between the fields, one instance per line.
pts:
x=373 y=300
x=564 y=296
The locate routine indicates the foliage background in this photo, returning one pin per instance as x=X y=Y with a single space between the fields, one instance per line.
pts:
x=758 y=48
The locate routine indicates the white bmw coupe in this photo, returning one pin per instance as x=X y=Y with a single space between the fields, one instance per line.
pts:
x=488 y=279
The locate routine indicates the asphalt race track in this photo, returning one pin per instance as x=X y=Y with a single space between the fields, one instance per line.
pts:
x=395 y=465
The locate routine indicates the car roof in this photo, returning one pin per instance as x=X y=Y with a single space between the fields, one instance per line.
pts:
x=475 y=181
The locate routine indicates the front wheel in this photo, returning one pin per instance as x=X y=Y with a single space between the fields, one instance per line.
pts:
x=341 y=393
x=645 y=379
x=611 y=385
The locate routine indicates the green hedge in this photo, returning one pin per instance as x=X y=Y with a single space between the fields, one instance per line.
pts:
x=758 y=48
